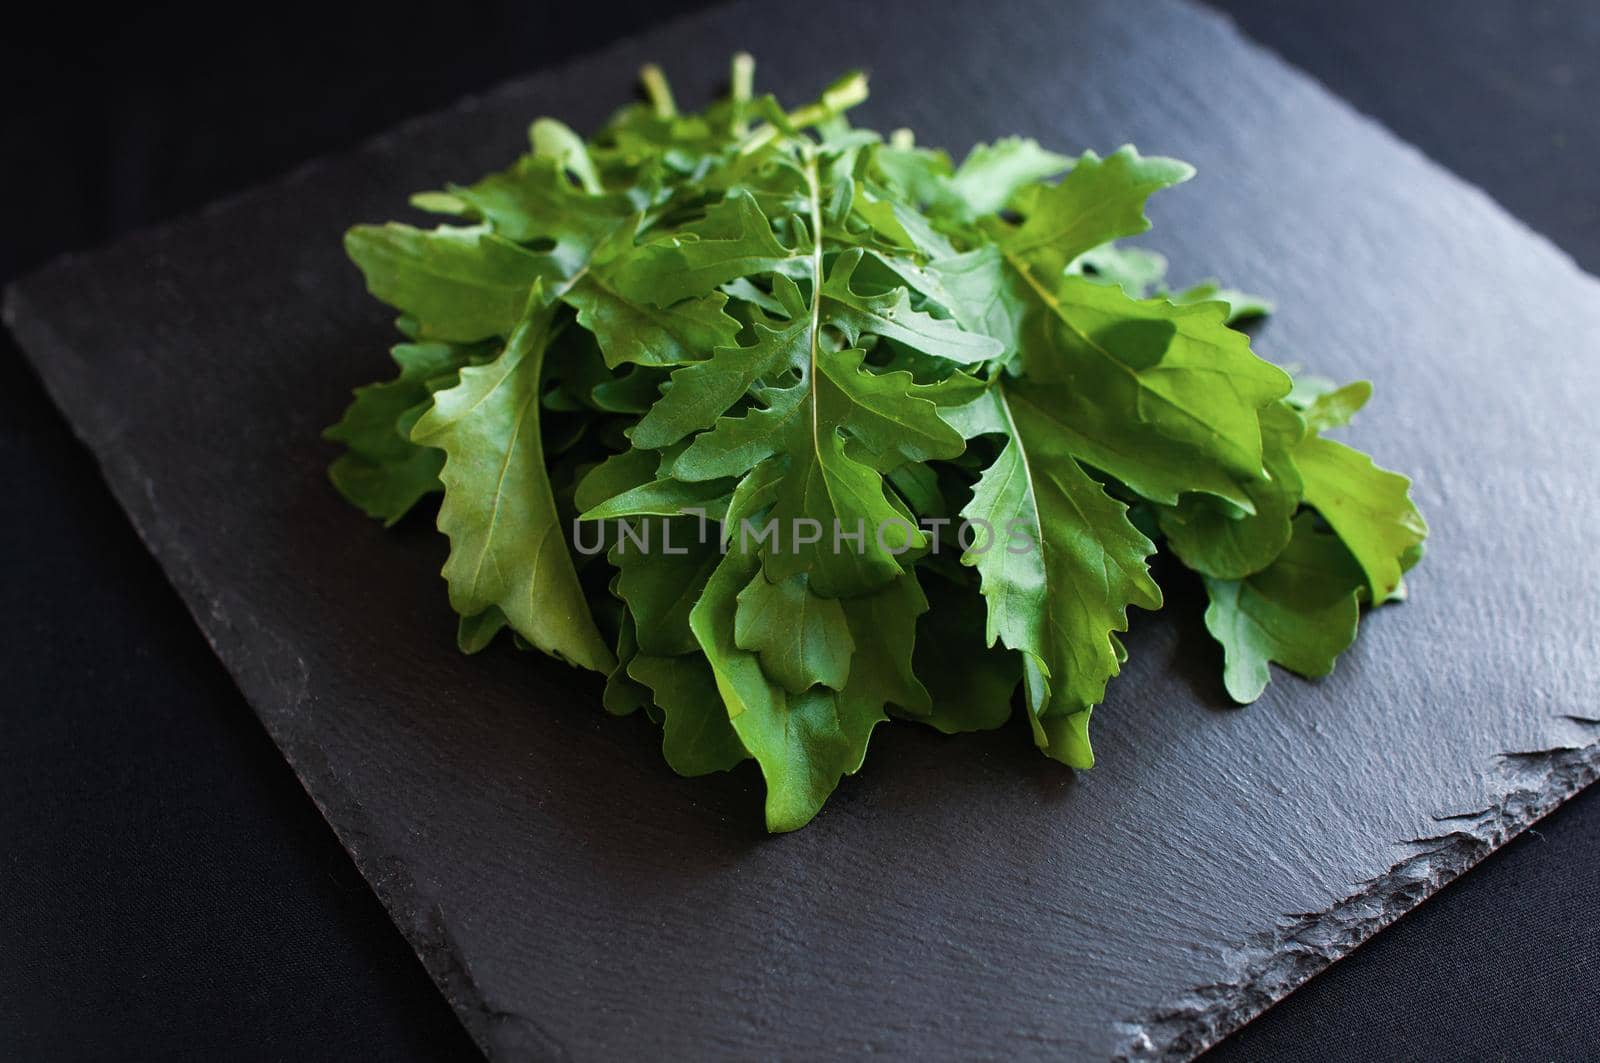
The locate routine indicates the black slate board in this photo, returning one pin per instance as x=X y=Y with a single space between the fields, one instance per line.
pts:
x=961 y=896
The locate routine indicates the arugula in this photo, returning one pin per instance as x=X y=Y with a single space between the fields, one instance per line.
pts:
x=788 y=429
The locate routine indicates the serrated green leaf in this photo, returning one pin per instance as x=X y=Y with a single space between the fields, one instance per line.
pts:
x=801 y=638
x=823 y=484
x=735 y=240
x=697 y=737
x=883 y=410
x=824 y=489
x=992 y=173
x=662 y=584
x=1164 y=398
x=459 y=284
x=1336 y=407
x=534 y=201
x=698 y=394
x=803 y=744
x=382 y=471
x=1060 y=566
x=646 y=334
x=1100 y=200
x=1301 y=612
x=890 y=315
x=508 y=548
x=1218 y=541
x=883 y=625
x=1368 y=506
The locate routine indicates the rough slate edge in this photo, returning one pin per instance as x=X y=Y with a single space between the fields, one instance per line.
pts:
x=1526 y=784
x=1270 y=966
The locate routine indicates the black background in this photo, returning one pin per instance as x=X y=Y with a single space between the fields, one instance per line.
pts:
x=166 y=888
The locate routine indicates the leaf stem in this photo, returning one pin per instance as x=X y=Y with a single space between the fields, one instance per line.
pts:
x=660 y=93
x=1055 y=307
x=743 y=85
x=836 y=99
x=814 y=192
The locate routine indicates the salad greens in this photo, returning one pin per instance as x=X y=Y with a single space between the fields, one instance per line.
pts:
x=788 y=428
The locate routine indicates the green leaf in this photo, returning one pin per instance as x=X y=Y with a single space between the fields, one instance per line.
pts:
x=382 y=471
x=662 y=498
x=803 y=744
x=698 y=394
x=646 y=334
x=984 y=183
x=824 y=488
x=1099 y=201
x=534 y=201
x=1242 y=306
x=801 y=638
x=919 y=176
x=1369 y=507
x=663 y=584
x=617 y=474
x=1164 y=398
x=823 y=484
x=735 y=240
x=861 y=361
x=1214 y=539
x=1060 y=567
x=1336 y=407
x=983 y=294
x=508 y=548
x=890 y=315
x=639 y=331
x=1301 y=611
x=476 y=632
x=899 y=224
x=460 y=284
x=992 y=173
x=883 y=625
x=697 y=737
x=970 y=682
x=556 y=141
x=1134 y=269
x=624 y=695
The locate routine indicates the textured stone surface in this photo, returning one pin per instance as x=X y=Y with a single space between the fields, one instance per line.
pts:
x=573 y=897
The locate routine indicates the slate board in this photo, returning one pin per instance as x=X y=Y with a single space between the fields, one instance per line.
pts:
x=961 y=896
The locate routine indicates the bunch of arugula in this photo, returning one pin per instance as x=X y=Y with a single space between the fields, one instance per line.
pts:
x=844 y=349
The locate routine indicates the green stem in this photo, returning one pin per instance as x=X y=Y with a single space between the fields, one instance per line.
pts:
x=814 y=193
x=743 y=84
x=836 y=99
x=660 y=93
x=1053 y=304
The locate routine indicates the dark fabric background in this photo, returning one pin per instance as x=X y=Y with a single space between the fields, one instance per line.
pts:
x=168 y=891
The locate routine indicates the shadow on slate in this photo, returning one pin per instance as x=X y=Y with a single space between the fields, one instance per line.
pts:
x=962 y=895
